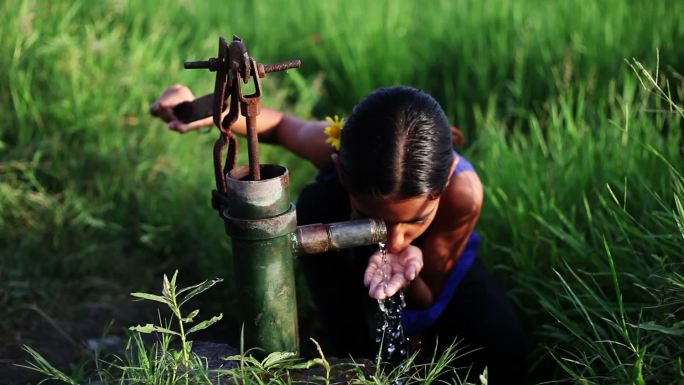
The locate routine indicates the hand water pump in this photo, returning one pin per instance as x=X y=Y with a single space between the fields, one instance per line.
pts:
x=255 y=206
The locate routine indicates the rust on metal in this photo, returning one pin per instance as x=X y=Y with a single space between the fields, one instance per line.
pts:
x=263 y=228
x=312 y=239
x=263 y=70
x=255 y=199
x=249 y=107
x=231 y=65
x=319 y=238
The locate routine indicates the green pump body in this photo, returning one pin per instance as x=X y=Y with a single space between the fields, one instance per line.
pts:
x=263 y=226
x=261 y=220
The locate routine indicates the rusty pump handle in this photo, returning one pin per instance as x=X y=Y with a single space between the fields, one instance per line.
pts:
x=234 y=63
x=250 y=109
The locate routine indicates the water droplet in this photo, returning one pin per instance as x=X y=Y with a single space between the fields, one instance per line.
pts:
x=381 y=305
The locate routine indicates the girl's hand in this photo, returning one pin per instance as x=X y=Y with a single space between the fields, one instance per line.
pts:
x=386 y=279
x=173 y=96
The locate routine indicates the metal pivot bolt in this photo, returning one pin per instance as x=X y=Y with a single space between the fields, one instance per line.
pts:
x=214 y=64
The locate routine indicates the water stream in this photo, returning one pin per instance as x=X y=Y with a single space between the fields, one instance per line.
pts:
x=392 y=345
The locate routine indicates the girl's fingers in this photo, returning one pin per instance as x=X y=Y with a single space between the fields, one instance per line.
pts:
x=175 y=125
x=179 y=126
x=368 y=275
x=415 y=255
x=414 y=262
x=400 y=273
x=377 y=291
x=165 y=113
x=375 y=282
x=394 y=285
x=410 y=272
x=371 y=270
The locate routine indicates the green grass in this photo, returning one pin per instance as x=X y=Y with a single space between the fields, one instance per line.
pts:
x=581 y=165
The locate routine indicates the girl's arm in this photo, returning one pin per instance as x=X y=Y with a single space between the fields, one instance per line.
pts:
x=304 y=138
x=459 y=211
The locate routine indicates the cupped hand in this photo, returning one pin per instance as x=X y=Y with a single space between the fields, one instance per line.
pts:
x=386 y=279
x=170 y=98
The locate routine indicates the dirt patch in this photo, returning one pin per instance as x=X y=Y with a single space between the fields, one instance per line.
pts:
x=64 y=330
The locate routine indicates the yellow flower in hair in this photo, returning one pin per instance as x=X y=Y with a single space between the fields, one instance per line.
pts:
x=334 y=131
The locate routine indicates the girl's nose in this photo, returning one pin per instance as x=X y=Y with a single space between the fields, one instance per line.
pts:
x=395 y=239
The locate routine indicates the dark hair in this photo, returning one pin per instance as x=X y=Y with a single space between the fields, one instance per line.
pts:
x=396 y=143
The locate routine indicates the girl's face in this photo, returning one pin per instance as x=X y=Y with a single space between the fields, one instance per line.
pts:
x=406 y=219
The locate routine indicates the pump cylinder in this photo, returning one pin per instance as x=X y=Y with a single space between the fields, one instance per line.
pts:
x=260 y=221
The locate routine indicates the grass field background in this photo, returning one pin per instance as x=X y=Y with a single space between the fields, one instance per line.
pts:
x=579 y=151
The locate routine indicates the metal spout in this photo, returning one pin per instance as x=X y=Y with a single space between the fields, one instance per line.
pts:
x=319 y=238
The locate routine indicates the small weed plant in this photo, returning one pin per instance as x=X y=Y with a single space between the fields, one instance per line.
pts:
x=157 y=363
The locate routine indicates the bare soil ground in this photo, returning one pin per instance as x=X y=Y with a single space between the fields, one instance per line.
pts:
x=59 y=328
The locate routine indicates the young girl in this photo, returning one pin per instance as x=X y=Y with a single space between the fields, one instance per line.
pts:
x=396 y=162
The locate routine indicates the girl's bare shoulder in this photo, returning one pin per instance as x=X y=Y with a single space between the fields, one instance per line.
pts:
x=462 y=199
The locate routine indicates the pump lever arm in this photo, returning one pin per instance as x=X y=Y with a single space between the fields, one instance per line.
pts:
x=202 y=107
x=189 y=110
x=197 y=109
x=302 y=137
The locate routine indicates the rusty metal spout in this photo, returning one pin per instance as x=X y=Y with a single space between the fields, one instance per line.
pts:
x=319 y=238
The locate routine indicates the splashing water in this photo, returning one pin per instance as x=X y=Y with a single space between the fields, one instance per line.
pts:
x=392 y=344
